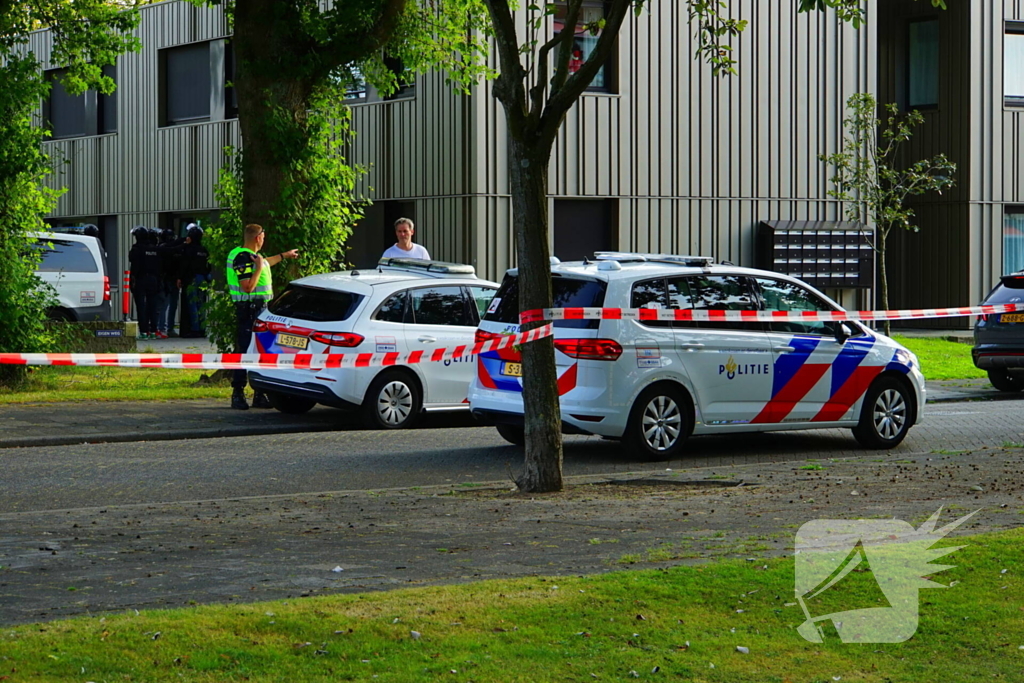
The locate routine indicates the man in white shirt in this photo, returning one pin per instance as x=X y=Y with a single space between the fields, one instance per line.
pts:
x=404 y=248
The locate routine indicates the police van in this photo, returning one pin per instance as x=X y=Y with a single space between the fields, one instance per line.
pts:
x=654 y=383
x=74 y=265
x=403 y=305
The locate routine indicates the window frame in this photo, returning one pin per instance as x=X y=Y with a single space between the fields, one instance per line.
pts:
x=410 y=309
x=92 y=105
x=1015 y=28
x=165 y=96
x=1011 y=210
x=610 y=86
x=910 y=63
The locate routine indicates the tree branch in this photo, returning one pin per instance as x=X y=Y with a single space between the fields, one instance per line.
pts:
x=563 y=97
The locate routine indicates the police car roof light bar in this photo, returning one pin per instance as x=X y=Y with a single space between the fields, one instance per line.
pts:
x=412 y=264
x=625 y=256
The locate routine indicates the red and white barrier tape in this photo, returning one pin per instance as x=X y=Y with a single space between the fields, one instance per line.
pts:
x=256 y=361
x=316 y=361
x=750 y=316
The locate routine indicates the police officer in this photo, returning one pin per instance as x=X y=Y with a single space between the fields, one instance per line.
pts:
x=194 y=274
x=250 y=286
x=168 y=285
x=145 y=280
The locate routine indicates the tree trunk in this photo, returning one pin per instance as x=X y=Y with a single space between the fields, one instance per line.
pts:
x=272 y=101
x=529 y=185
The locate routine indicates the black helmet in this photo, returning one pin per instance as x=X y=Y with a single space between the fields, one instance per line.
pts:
x=166 y=235
x=91 y=231
x=140 y=233
x=194 y=231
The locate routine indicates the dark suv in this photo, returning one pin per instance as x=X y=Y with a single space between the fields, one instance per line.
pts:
x=999 y=339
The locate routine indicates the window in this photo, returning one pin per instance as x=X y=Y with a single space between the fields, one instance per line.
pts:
x=72 y=116
x=1013 y=240
x=584 y=41
x=779 y=295
x=230 y=93
x=393 y=309
x=355 y=84
x=728 y=292
x=650 y=294
x=482 y=297
x=565 y=292
x=318 y=305
x=186 y=83
x=406 y=79
x=923 y=61
x=65 y=256
x=440 y=306
x=1013 y=64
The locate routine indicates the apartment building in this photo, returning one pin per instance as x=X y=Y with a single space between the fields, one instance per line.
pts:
x=658 y=155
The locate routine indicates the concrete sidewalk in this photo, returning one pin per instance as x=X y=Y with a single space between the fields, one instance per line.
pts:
x=58 y=424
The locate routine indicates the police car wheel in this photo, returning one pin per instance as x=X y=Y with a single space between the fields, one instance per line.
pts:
x=392 y=402
x=292 y=405
x=886 y=416
x=659 y=424
x=1004 y=381
x=514 y=434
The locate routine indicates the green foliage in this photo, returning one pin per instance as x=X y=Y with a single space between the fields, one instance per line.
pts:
x=23 y=201
x=314 y=214
x=712 y=25
x=87 y=35
x=869 y=176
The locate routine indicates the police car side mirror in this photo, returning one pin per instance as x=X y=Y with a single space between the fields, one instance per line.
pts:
x=843 y=333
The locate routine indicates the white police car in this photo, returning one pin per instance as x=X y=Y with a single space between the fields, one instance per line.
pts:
x=654 y=383
x=403 y=305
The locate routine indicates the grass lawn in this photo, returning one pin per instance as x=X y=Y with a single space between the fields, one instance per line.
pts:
x=942 y=359
x=50 y=383
x=679 y=624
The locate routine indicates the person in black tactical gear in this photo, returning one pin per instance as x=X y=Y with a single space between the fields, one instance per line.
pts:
x=91 y=230
x=194 y=275
x=145 y=280
x=170 y=264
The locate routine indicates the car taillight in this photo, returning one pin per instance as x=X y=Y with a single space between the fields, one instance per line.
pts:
x=346 y=339
x=482 y=336
x=590 y=349
x=106 y=288
x=260 y=326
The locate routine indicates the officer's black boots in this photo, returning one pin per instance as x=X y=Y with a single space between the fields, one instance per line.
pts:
x=260 y=400
x=238 y=400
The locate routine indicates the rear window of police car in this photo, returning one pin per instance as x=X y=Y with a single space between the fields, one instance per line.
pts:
x=65 y=256
x=1009 y=291
x=319 y=305
x=566 y=293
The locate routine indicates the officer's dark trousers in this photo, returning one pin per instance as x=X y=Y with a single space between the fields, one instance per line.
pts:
x=147 y=298
x=245 y=315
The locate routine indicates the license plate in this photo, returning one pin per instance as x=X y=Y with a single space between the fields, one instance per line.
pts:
x=291 y=341
x=1012 y=318
x=512 y=369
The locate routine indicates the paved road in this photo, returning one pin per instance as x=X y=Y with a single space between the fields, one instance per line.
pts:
x=65 y=477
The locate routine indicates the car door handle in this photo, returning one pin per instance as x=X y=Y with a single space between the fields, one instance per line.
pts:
x=692 y=346
x=427 y=339
x=785 y=349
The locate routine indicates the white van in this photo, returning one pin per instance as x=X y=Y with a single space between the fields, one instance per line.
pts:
x=654 y=383
x=74 y=266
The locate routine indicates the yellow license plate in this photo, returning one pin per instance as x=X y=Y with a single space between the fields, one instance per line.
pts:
x=291 y=341
x=512 y=369
x=1012 y=318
